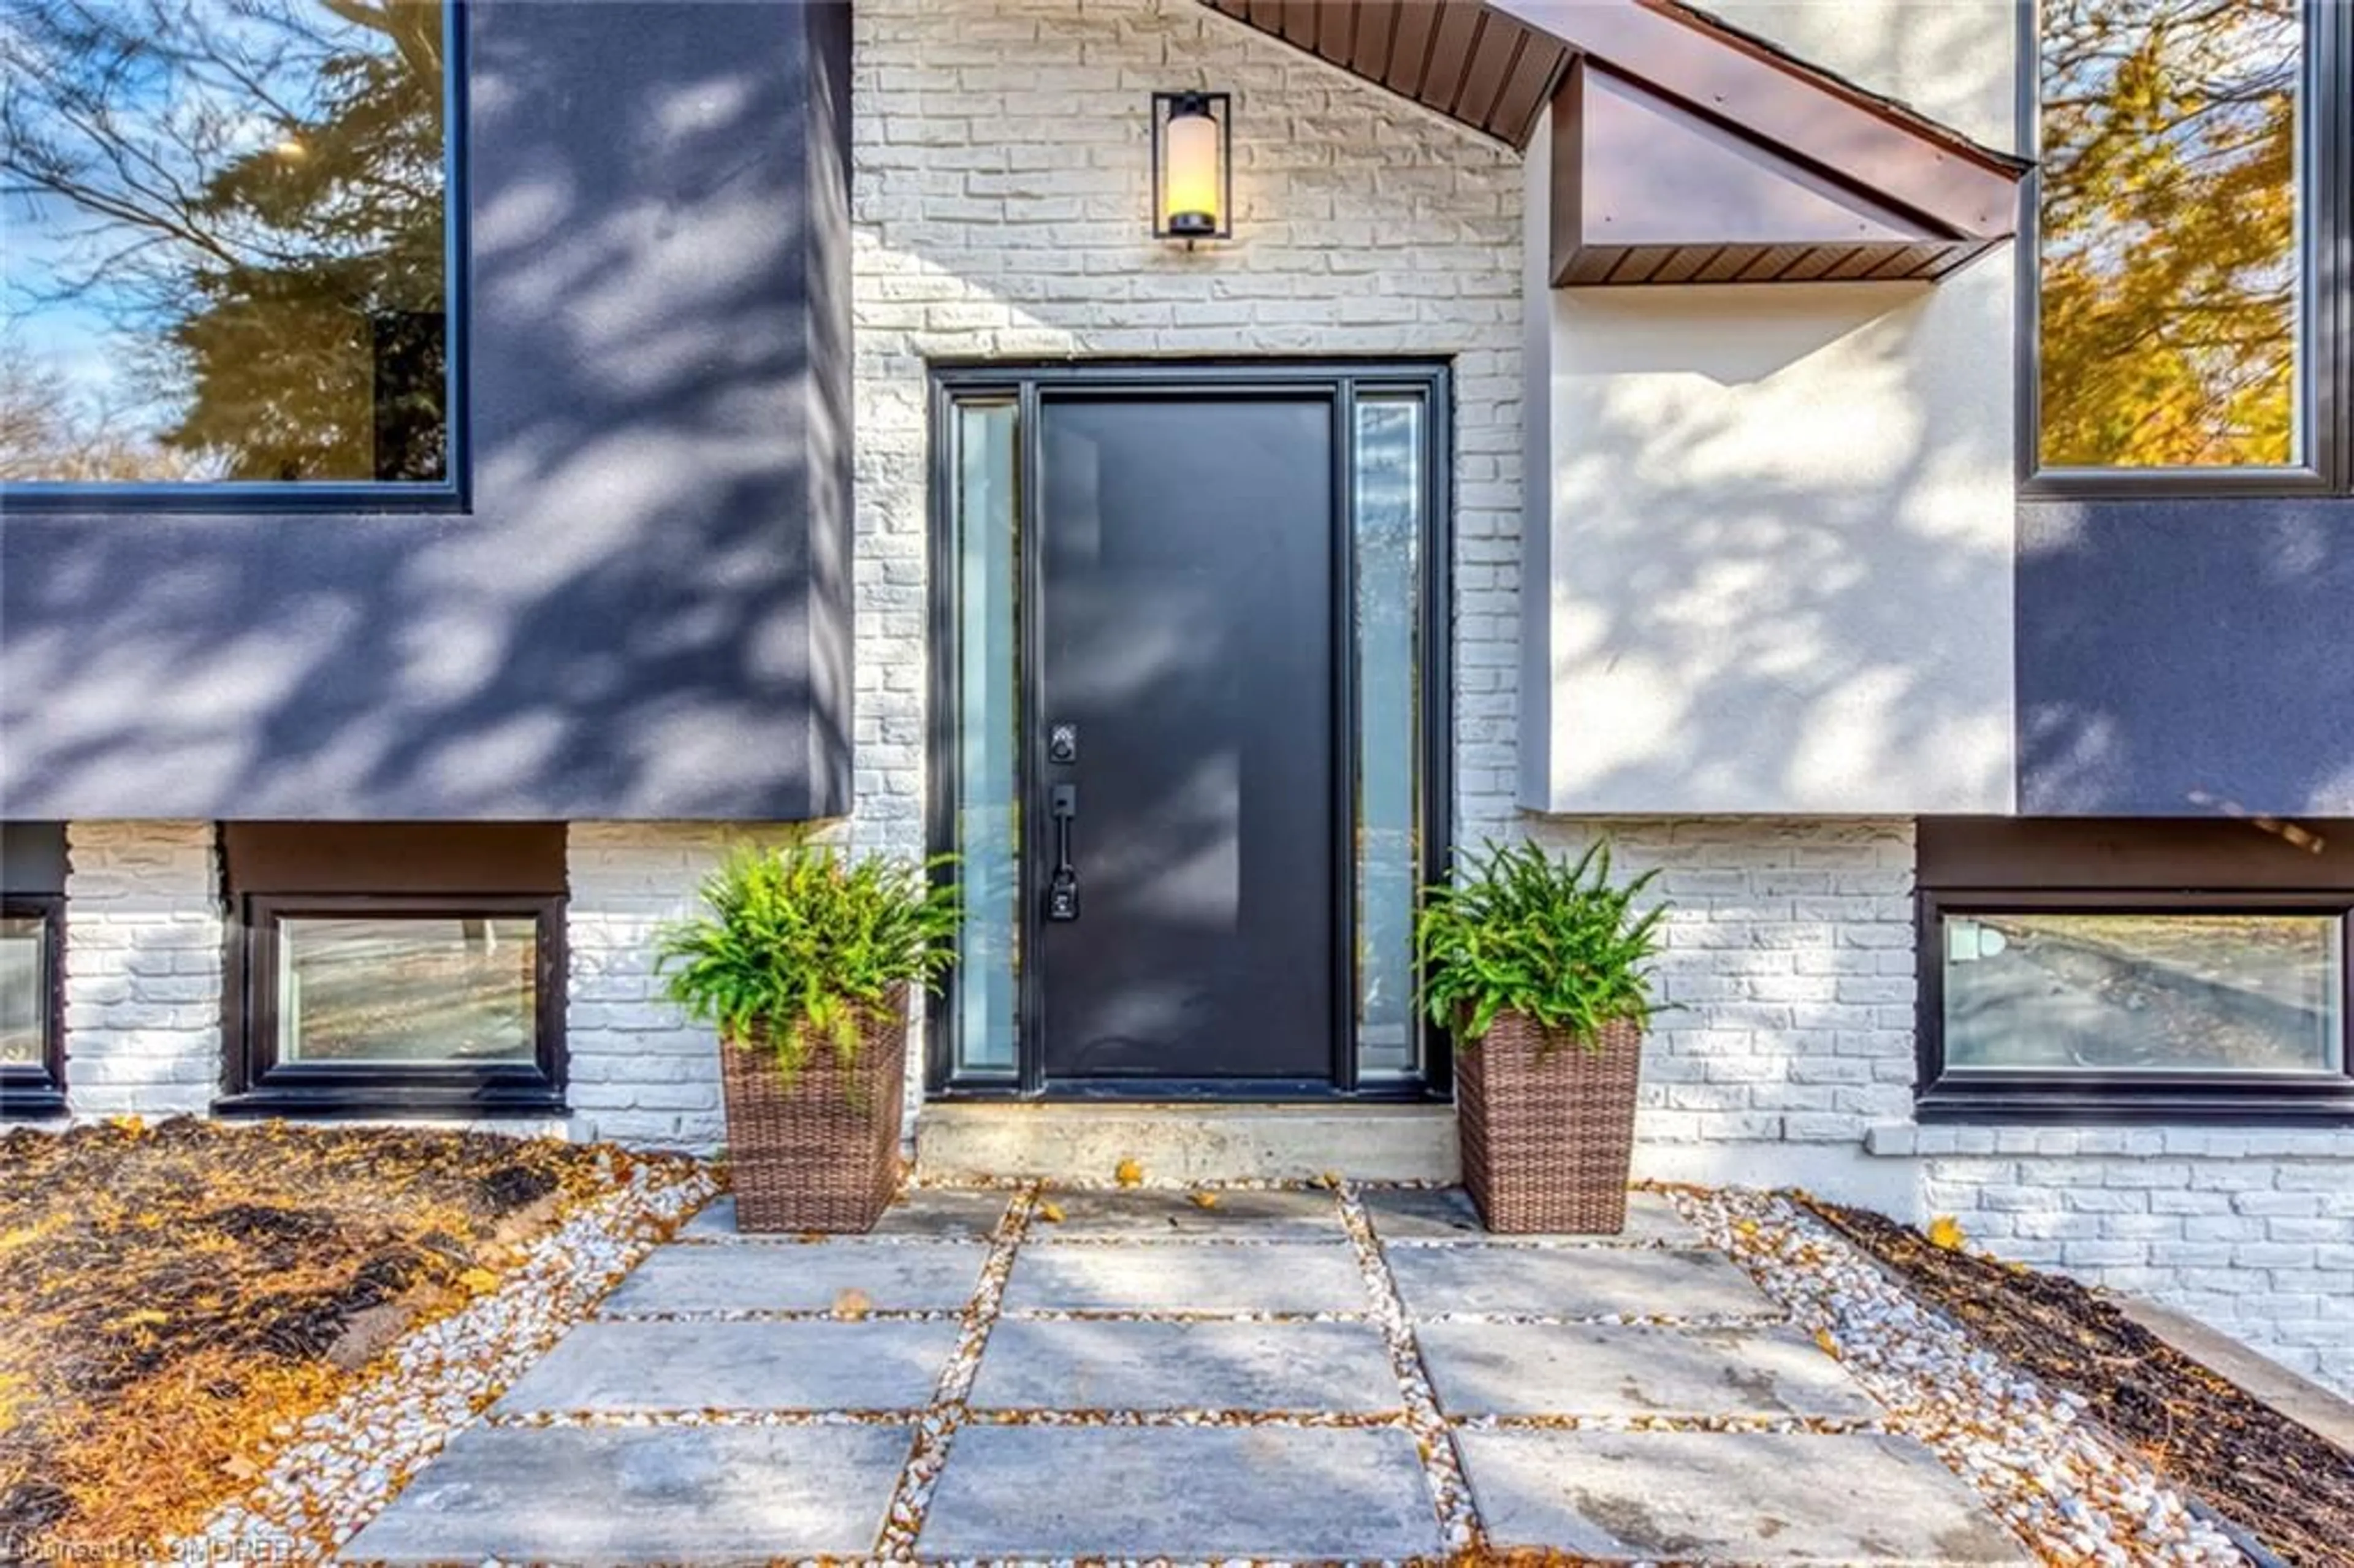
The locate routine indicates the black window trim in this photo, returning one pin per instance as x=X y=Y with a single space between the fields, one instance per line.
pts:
x=1997 y=1094
x=453 y=493
x=261 y=1085
x=30 y=1091
x=2326 y=359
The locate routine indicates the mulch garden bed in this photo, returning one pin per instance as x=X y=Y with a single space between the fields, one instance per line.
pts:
x=2254 y=1465
x=175 y=1298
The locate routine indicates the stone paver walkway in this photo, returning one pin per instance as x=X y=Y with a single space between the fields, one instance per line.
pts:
x=1299 y=1375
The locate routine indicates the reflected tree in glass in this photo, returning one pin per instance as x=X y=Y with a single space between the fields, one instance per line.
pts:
x=410 y=990
x=2091 y=992
x=226 y=240
x=2169 y=231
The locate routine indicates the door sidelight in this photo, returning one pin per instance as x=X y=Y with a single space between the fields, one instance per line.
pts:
x=1063 y=885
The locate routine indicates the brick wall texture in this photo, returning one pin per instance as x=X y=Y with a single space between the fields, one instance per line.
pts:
x=2250 y=1231
x=142 y=968
x=1001 y=205
x=1788 y=970
x=640 y=1073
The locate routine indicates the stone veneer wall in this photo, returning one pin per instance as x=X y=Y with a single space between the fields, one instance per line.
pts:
x=142 y=968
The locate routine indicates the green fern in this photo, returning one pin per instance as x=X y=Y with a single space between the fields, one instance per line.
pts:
x=795 y=945
x=1551 y=940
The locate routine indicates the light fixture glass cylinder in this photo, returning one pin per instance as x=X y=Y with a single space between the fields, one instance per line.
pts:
x=1192 y=184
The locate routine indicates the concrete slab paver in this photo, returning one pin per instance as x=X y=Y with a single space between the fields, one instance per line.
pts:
x=704 y=1365
x=947 y=1213
x=1245 y=1214
x=1174 y=1300
x=703 y=1494
x=1096 y=1365
x=1754 y=1496
x=1186 y=1277
x=898 y=1276
x=1574 y=1282
x=1447 y=1214
x=1187 y=1492
x=1590 y=1369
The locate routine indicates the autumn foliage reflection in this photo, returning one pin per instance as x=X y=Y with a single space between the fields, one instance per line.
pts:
x=2169 y=232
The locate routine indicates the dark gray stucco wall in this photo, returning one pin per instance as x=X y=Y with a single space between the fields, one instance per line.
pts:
x=645 y=611
x=2186 y=657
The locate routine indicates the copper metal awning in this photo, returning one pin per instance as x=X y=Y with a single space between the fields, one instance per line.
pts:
x=1684 y=149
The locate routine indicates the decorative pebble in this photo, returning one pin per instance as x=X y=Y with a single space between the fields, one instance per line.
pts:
x=342 y=1465
x=2073 y=1494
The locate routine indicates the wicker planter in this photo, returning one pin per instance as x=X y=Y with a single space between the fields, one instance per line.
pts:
x=822 y=1154
x=1547 y=1139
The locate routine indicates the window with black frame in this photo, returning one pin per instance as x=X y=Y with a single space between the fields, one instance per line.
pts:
x=228 y=251
x=2193 y=164
x=403 y=967
x=2136 y=969
x=32 y=934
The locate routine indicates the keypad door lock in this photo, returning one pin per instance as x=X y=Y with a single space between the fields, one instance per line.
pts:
x=1063 y=743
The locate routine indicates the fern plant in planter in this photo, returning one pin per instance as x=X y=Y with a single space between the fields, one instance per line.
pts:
x=806 y=961
x=1541 y=968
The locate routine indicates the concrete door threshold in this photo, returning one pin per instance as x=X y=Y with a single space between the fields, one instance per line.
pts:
x=1186 y=1141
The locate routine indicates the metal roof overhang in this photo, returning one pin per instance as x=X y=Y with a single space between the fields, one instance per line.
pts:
x=1683 y=149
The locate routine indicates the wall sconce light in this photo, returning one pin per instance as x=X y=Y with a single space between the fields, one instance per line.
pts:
x=1192 y=167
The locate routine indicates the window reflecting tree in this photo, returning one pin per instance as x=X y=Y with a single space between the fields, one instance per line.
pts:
x=225 y=253
x=2169 y=229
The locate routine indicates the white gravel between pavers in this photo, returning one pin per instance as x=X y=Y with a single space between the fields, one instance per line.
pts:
x=2068 y=1490
x=911 y=1499
x=340 y=1466
x=1442 y=1465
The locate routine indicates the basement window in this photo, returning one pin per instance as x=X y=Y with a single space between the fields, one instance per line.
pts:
x=32 y=930
x=403 y=968
x=2145 y=972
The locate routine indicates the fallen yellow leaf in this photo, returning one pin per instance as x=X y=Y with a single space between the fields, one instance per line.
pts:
x=852 y=1305
x=1051 y=1213
x=1829 y=1345
x=478 y=1281
x=1129 y=1173
x=1945 y=1234
x=1204 y=1199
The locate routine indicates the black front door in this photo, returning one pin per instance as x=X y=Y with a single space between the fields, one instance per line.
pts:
x=1182 y=741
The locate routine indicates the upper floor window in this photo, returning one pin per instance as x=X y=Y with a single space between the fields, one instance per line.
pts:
x=2182 y=154
x=227 y=243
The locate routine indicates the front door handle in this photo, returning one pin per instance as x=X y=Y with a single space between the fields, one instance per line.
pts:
x=1063 y=885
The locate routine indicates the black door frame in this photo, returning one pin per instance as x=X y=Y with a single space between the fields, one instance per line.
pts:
x=1026 y=385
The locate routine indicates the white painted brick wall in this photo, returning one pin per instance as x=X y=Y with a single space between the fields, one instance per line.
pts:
x=639 y=1072
x=142 y=968
x=1001 y=205
x=1788 y=966
x=2249 y=1230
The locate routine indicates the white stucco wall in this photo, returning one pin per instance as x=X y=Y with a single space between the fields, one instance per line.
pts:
x=1776 y=536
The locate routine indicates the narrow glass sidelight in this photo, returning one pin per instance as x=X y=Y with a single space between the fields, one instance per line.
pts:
x=1388 y=533
x=989 y=721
